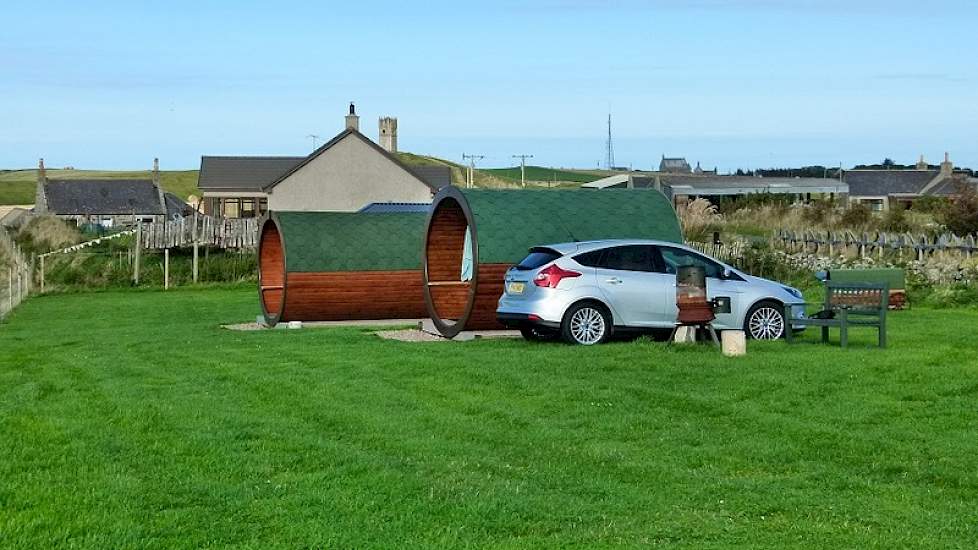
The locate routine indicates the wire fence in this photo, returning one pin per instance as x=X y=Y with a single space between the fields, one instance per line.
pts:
x=16 y=282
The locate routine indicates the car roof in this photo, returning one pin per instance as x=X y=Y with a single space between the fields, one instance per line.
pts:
x=586 y=246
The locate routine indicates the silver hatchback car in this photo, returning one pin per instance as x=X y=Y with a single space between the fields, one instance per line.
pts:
x=584 y=291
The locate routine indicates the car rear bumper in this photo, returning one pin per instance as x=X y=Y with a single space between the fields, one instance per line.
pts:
x=524 y=320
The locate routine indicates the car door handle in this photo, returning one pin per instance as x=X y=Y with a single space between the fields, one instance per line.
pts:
x=613 y=281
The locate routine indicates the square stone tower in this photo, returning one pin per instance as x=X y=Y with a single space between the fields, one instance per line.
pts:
x=388 y=134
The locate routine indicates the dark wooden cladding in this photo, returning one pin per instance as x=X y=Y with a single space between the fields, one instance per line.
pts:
x=351 y=295
x=491 y=281
x=271 y=264
x=446 y=243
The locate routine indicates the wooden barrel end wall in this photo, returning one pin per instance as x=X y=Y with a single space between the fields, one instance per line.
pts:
x=448 y=298
x=271 y=272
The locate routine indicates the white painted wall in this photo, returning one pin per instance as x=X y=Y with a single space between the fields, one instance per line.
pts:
x=346 y=177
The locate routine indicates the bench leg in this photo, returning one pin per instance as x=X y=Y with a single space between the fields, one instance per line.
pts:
x=844 y=329
x=825 y=335
x=882 y=336
x=787 y=334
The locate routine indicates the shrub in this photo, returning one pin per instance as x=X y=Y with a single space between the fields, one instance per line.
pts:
x=856 y=216
x=896 y=221
x=817 y=212
x=931 y=204
x=45 y=233
x=697 y=217
x=961 y=215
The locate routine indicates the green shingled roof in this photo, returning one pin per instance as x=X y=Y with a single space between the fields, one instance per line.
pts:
x=346 y=241
x=508 y=222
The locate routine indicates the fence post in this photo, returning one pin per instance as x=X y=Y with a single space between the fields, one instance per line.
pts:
x=139 y=245
x=166 y=268
x=196 y=247
x=42 y=274
x=10 y=288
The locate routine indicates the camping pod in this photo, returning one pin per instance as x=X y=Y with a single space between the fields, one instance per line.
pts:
x=473 y=236
x=337 y=266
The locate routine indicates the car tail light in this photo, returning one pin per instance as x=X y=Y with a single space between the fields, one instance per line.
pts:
x=551 y=276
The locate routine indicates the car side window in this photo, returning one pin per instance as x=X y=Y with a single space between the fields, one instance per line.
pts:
x=674 y=258
x=590 y=259
x=629 y=258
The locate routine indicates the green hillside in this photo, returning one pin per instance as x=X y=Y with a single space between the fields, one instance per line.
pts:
x=542 y=174
x=17 y=186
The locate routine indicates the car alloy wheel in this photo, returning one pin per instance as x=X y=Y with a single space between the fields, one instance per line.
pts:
x=766 y=323
x=587 y=326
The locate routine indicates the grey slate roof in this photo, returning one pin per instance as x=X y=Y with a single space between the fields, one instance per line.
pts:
x=674 y=165
x=388 y=207
x=434 y=176
x=878 y=183
x=246 y=173
x=106 y=196
x=175 y=206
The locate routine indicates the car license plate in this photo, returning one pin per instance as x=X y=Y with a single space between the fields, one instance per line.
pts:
x=515 y=288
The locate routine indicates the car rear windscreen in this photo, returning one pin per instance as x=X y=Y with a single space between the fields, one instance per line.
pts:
x=537 y=258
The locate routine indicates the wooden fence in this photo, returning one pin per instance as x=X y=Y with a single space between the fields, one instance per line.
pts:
x=847 y=242
x=15 y=277
x=201 y=230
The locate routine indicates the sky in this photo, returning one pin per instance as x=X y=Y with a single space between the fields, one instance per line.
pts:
x=727 y=83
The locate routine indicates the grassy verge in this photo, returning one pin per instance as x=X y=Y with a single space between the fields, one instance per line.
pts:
x=133 y=420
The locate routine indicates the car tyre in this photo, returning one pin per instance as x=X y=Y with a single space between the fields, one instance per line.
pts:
x=765 y=321
x=586 y=324
x=535 y=334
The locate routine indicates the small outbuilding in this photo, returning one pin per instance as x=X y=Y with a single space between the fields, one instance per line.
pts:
x=335 y=266
x=473 y=236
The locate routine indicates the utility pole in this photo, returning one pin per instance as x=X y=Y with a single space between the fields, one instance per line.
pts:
x=471 y=158
x=609 y=148
x=523 y=167
x=314 y=139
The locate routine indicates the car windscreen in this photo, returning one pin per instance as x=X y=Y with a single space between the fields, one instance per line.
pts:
x=537 y=258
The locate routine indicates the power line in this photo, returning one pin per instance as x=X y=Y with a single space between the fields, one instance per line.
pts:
x=471 y=158
x=522 y=167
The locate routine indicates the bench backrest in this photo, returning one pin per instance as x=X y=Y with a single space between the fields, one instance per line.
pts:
x=864 y=298
x=893 y=276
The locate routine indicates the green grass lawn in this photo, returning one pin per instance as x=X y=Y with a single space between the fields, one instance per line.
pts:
x=19 y=186
x=131 y=420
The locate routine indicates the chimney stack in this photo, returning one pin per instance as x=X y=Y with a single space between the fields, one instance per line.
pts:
x=922 y=164
x=40 y=195
x=947 y=167
x=156 y=172
x=352 y=120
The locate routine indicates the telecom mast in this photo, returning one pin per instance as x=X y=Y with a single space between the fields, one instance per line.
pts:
x=610 y=149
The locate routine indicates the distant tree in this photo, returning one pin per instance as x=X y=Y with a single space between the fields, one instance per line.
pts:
x=888 y=163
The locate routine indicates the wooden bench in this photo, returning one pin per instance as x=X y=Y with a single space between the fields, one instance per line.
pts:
x=849 y=305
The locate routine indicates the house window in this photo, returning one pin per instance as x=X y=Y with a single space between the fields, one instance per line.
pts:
x=247 y=208
x=232 y=208
x=876 y=205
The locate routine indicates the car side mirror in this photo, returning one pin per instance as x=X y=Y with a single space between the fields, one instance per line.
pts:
x=727 y=273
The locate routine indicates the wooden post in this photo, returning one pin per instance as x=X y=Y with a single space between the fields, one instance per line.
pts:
x=42 y=274
x=196 y=246
x=139 y=244
x=10 y=289
x=166 y=268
